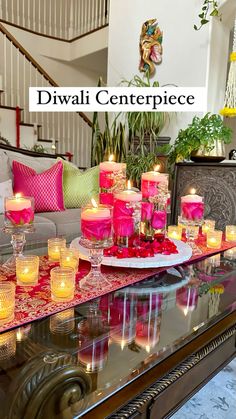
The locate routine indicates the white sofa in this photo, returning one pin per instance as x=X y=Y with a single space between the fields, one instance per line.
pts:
x=47 y=224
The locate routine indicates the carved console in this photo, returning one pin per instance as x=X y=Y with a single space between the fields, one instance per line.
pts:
x=215 y=181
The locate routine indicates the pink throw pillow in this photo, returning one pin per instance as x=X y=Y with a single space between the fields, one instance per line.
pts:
x=45 y=187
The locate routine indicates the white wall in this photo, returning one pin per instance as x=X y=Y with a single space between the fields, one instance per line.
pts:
x=187 y=58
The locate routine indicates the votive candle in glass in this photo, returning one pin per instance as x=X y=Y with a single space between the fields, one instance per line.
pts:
x=69 y=259
x=230 y=233
x=214 y=239
x=7 y=301
x=18 y=211
x=192 y=207
x=62 y=284
x=175 y=232
x=208 y=225
x=54 y=248
x=27 y=270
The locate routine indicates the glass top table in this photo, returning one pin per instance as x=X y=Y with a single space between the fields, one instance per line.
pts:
x=66 y=364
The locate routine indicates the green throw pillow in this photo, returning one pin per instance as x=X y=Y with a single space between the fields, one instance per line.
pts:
x=79 y=187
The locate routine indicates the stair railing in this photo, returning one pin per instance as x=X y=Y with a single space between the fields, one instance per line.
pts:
x=66 y=20
x=20 y=70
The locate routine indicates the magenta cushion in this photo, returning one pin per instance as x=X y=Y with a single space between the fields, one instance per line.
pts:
x=45 y=187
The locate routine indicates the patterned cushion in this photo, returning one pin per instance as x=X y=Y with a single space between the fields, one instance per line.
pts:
x=46 y=187
x=5 y=191
x=79 y=187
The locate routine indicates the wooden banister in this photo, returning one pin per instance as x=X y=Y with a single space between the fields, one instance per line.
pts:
x=29 y=57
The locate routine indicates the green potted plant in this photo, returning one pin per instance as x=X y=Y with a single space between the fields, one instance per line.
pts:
x=202 y=140
x=144 y=127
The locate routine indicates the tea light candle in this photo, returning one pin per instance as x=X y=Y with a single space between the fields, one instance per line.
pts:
x=230 y=254
x=230 y=233
x=175 y=232
x=54 y=248
x=214 y=239
x=62 y=284
x=27 y=270
x=69 y=259
x=208 y=226
x=7 y=301
x=192 y=206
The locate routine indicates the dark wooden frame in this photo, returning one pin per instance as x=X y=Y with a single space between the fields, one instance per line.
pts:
x=30 y=152
x=174 y=202
x=165 y=388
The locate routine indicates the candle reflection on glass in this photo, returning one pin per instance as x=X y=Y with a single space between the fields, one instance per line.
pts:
x=122 y=320
x=22 y=333
x=230 y=254
x=187 y=299
x=7 y=345
x=62 y=323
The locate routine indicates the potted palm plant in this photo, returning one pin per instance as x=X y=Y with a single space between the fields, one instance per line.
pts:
x=145 y=127
x=203 y=140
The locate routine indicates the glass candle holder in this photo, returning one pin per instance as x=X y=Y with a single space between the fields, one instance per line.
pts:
x=151 y=182
x=18 y=211
x=69 y=259
x=126 y=216
x=230 y=233
x=175 y=232
x=7 y=345
x=7 y=301
x=192 y=208
x=112 y=178
x=208 y=225
x=63 y=323
x=214 y=239
x=27 y=270
x=54 y=248
x=62 y=284
x=192 y=233
x=97 y=234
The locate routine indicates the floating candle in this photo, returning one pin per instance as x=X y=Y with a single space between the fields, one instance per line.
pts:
x=152 y=181
x=96 y=222
x=19 y=210
x=17 y=203
x=192 y=207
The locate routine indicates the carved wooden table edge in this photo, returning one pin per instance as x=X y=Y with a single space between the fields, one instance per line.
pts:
x=137 y=399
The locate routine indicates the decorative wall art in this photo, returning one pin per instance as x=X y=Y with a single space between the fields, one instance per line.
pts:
x=150 y=46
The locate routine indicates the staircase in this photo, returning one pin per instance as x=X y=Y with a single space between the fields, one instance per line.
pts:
x=67 y=132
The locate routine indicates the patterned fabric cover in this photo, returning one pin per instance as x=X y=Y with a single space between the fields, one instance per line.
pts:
x=5 y=191
x=79 y=187
x=45 y=187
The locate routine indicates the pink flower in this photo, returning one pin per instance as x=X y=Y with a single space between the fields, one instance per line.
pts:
x=106 y=180
x=124 y=226
x=96 y=229
x=147 y=209
x=192 y=210
x=106 y=198
x=25 y=216
x=122 y=208
x=159 y=220
x=149 y=188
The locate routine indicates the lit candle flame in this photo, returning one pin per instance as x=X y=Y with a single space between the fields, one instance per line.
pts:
x=94 y=203
x=18 y=195
x=111 y=157
x=192 y=191
x=63 y=284
x=185 y=311
x=157 y=168
x=129 y=184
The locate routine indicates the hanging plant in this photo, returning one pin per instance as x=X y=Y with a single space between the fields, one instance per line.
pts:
x=209 y=8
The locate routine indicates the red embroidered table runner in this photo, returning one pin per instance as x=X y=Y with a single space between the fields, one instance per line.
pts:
x=34 y=303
